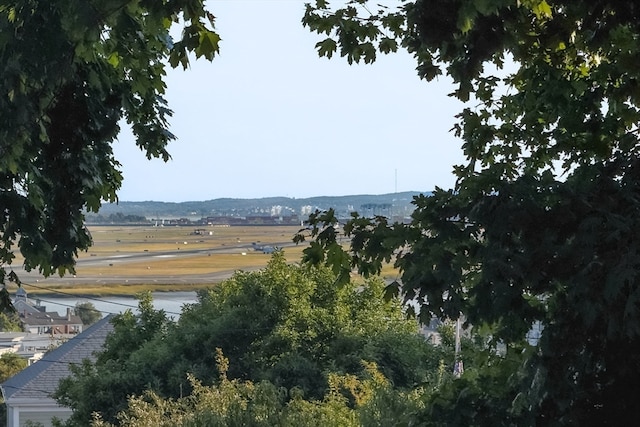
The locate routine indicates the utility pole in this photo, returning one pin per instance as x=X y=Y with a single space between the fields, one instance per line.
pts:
x=458 y=367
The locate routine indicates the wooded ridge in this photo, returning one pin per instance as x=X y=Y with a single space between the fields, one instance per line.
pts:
x=396 y=204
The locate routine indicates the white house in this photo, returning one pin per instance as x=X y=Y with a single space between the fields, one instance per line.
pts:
x=28 y=393
x=37 y=320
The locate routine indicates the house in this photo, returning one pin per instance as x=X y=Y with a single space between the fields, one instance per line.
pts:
x=51 y=323
x=27 y=394
x=37 y=320
x=23 y=305
x=29 y=346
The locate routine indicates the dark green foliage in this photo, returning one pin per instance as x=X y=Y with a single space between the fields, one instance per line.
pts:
x=542 y=225
x=288 y=325
x=87 y=313
x=71 y=71
x=480 y=396
x=10 y=322
x=367 y=400
x=11 y=364
x=106 y=385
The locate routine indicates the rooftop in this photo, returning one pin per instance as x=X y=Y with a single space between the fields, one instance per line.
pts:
x=41 y=379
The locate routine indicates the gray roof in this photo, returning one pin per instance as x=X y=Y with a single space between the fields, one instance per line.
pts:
x=22 y=307
x=41 y=379
x=50 y=319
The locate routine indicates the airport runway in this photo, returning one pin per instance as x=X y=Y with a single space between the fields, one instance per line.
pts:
x=98 y=261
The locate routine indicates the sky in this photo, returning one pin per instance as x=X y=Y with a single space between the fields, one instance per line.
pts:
x=268 y=117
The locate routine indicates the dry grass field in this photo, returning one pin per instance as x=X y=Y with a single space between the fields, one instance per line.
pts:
x=128 y=259
x=117 y=240
x=215 y=249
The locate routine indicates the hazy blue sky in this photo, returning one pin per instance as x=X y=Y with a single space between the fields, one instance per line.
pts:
x=269 y=118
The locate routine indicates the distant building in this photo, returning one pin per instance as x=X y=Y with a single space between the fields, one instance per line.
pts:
x=22 y=304
x=251 y=220
x=37 y=320
x=30 y=347
x=51 y=323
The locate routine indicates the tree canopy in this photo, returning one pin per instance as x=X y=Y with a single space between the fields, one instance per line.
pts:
x=11 y=364
x=10 y=321
x=72 y=72
x=286 y=325
x=541 y=227
x=87 y=313
x=245 y=403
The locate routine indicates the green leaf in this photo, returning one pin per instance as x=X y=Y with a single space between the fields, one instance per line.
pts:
x=114 y=59
x=326 y=47
x=392 y=291
x=544 y=8
x=209 y=44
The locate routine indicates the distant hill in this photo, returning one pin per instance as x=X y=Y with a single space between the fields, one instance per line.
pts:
x=394 y=204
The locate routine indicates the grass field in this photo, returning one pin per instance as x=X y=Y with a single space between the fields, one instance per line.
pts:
x=203 y=251
x=111 y=241
x=114 y=240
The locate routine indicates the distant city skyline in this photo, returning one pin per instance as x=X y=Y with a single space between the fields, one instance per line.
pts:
x=269 y=118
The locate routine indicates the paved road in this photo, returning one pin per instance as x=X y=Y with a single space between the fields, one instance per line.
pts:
x=231 y=249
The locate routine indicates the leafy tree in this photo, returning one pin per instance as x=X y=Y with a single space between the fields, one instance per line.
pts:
x=542 y=225
x=71 y=71
x=113 y=376
x=232 y=402
x=288 y=325
x=87 y=313
x=11 y=364
x=10 y=322
x=244 y=403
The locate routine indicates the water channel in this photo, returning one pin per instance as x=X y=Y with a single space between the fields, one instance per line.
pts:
x=170 y=302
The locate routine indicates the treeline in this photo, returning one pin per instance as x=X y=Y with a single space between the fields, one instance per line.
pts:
x=115 y=218
x=343 y=205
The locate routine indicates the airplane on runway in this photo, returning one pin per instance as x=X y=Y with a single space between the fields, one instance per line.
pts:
x=264 y=248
